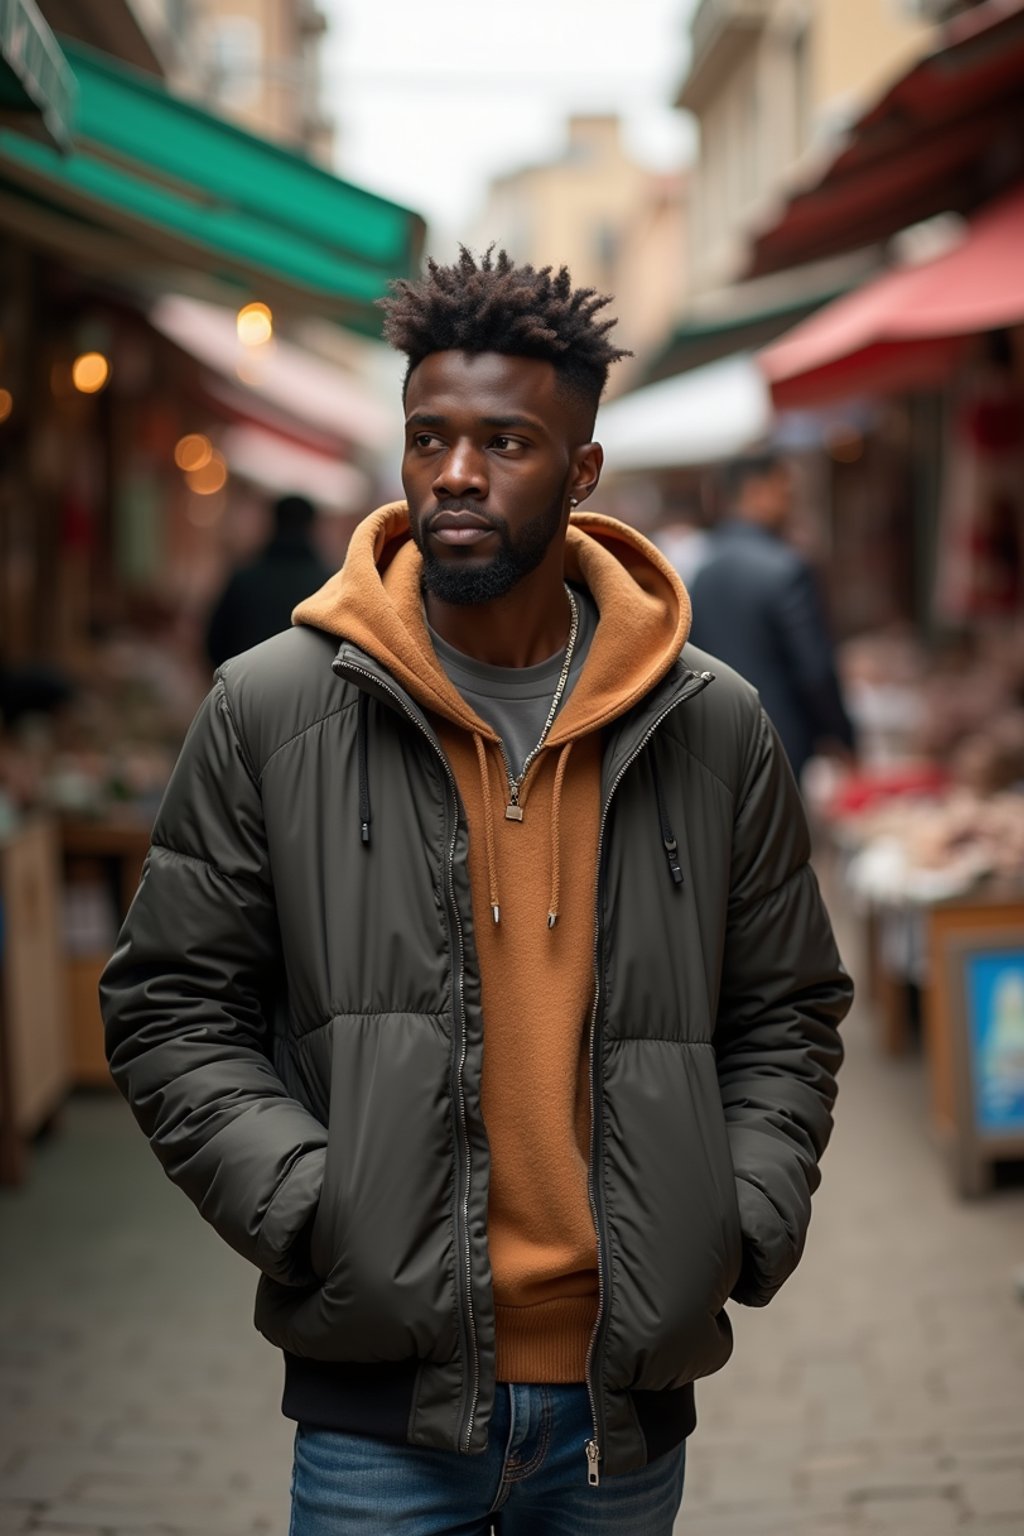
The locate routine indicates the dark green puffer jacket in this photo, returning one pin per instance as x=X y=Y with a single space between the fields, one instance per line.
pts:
x=293 y=1014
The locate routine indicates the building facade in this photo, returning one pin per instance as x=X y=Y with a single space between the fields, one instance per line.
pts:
x=618 y=226
x=258 y=62
x=772 y=83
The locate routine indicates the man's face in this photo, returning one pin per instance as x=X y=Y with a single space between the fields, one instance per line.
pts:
x=491 y=452
x=768 y=499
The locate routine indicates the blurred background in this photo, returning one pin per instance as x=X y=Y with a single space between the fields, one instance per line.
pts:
x=811 y=215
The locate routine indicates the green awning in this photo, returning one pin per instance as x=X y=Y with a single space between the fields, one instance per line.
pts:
x=36 y=83
x=188 y=189
x=700 y=340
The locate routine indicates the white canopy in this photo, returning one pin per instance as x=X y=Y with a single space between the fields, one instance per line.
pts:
x=701 y=417
x=280 y=372
x=282 y=467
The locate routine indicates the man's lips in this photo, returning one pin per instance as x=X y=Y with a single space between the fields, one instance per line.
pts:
x=459 y=528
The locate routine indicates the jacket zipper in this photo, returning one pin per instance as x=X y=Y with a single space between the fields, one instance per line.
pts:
x=593 y=1447
x=467 y=1433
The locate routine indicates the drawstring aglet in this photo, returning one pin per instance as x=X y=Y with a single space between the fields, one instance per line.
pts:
x=364 y=831
x=552 y=919
x=674 y=868
x=496 y=913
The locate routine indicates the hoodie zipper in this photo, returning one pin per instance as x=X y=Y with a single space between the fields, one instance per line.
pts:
x=474 y=1353
x=593 y=1448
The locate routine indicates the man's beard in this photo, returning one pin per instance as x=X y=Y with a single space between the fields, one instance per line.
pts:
x=466 y=583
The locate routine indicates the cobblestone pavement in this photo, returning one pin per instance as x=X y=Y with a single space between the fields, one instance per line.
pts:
x=883 y=1392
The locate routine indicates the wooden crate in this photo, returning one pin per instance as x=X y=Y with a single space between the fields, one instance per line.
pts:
x=34 y=1066
x=85 y=1033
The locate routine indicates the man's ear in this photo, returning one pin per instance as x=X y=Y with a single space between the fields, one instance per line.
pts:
x=587 y=463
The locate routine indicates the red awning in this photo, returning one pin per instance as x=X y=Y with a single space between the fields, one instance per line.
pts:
x=905 y=328
x=939 y=139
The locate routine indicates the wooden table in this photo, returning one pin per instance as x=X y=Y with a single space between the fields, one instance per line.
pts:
x=120 y=842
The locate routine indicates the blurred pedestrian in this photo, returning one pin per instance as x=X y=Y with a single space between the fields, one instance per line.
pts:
x=258 y=599
x=478 y=990
x=756 y=606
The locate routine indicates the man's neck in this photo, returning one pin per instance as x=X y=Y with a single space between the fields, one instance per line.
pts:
x=521 y=629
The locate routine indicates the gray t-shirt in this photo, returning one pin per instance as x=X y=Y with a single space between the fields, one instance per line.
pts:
x=516 y=700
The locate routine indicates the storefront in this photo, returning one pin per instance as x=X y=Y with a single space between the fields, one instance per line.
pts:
x=930 y=831
x=156 y=267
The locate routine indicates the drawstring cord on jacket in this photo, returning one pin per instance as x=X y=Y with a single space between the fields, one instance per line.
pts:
x=492 y=863
x=556 y=835
x=668 y=839
x=362 y=749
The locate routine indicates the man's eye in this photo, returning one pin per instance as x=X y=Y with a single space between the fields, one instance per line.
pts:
x=424 y=439
x=502 y=443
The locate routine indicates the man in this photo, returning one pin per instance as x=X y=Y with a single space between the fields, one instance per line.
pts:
x=756 y=606
x=258 y=599
x=477 y=988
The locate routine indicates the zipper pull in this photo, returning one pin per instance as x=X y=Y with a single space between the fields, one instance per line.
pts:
x=593 y=1457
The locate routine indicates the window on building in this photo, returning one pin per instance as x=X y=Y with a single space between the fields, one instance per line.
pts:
x=234 y=56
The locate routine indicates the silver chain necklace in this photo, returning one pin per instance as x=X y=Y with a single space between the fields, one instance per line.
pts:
x=514 y=811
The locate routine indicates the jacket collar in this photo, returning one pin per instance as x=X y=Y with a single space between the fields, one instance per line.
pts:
x=627 y=735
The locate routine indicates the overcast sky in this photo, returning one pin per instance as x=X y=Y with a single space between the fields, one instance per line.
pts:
x=432 y=99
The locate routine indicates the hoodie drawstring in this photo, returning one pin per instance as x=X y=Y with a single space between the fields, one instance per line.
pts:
x=556 y=830
x=492 y=863
x=668 y=840
x=556 y=835
x=363 y=753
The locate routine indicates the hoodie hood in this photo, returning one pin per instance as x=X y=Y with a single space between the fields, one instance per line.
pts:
x=375 y=602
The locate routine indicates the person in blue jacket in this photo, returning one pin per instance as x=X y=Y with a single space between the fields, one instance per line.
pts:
x=756 y=605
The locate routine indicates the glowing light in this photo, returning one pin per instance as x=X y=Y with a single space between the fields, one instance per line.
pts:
x=255 y=325
x=90 y=372
x=209 y=479
x=6 y=404
x=193 y=451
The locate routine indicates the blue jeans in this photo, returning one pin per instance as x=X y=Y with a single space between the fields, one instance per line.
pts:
x=531 y=1480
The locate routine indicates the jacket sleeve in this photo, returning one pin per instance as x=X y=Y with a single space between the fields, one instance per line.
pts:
x=783 y=994
x=186 y=1001
x=807 y=647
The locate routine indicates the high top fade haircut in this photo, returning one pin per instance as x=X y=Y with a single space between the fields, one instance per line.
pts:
x=488 y=304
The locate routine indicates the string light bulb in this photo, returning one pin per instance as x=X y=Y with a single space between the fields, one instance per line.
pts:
x=193 y=451
x=255 y=324
x=90 y=372
x=210 y=478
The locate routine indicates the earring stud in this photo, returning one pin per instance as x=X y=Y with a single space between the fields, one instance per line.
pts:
x=573 y=502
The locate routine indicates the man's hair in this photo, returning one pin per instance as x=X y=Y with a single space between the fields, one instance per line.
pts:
x=293 y=514
x=491 y=305
x=753 y=466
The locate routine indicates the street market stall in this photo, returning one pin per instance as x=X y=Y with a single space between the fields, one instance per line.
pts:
x=137 y=233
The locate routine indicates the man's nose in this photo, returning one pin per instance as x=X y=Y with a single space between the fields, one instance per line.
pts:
x=461 y=472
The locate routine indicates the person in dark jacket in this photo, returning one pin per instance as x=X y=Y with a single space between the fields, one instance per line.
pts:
x=258 y=599
x=756 y=606
x=478 y=989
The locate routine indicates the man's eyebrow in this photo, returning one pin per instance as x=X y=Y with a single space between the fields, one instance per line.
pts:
x=527 y=423
x=495 y=423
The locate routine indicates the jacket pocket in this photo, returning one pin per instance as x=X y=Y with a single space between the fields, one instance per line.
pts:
x=673 y=1219
x=382 y=1240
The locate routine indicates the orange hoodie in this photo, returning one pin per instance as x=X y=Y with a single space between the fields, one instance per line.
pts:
x=533 y=886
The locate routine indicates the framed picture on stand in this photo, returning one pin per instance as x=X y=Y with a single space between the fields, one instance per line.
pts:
x=976 y=1036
